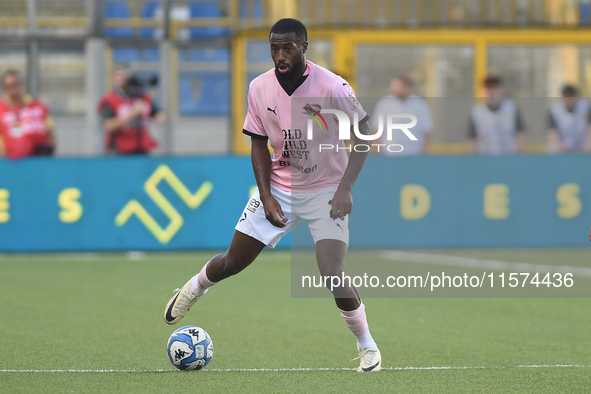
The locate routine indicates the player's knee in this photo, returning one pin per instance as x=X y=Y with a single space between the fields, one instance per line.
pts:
x=333 y=273
x=332 y=268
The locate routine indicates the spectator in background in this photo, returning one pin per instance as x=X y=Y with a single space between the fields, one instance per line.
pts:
x=126 y=111
x=569 y=123
x=496 y=127
x=26 y=129
x=401 y=100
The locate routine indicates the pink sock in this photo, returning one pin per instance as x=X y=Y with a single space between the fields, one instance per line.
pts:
x=356 y=320
x=201 y=282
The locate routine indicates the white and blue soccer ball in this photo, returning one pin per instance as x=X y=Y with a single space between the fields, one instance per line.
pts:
x=190 y=348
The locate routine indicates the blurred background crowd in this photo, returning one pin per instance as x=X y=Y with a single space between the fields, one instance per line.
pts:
x=94 y=77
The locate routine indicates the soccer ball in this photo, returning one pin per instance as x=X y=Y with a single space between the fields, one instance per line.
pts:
x=190 y=348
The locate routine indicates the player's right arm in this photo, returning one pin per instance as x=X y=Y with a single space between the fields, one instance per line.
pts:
x=261 y=160
x=261 y=165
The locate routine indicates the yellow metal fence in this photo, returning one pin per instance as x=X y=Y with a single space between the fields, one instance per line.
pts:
x=344 y=62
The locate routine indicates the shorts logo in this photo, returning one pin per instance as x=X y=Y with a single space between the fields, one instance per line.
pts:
x=252 y=206
x=243 y=218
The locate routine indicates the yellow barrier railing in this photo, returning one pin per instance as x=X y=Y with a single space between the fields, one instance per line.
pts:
x=346 y=41
x=47 y=21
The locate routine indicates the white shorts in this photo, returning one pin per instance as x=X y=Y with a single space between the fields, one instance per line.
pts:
x=313 y=207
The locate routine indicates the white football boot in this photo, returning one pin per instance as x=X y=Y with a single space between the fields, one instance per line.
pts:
x=371 y=360
x=179 y=304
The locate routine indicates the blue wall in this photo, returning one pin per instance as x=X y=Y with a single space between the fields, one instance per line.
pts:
x=532 y=201
x=80 y=204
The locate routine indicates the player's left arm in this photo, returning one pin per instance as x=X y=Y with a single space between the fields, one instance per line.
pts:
x=345 y=100
x=342 y=202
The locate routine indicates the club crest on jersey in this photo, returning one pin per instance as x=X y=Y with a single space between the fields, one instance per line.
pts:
x=313 y=110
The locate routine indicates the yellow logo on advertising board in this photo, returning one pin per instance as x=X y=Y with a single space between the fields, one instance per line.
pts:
x=193 y=201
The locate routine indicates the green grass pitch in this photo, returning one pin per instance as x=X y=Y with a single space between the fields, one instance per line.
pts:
x=104 y=312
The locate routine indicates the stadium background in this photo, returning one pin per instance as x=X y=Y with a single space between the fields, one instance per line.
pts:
x=92 y=322
x=206 y=52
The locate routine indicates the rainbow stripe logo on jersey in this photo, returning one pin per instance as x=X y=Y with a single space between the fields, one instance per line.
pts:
x=313 y=110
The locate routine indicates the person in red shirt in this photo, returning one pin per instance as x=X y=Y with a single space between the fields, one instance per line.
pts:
x=26 y=129
x=126 y=111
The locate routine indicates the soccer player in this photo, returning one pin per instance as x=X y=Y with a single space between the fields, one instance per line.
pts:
x=26 y=129
x=299 y=181
x=569 y=121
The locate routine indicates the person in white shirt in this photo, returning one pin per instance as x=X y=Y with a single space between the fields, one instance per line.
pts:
x=402 y=100
x=496 y=126
x=569 y=123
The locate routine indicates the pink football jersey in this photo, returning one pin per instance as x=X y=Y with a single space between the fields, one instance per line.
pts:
x=296 y=130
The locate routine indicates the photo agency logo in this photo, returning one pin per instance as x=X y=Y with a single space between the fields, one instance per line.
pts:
x=388 y=123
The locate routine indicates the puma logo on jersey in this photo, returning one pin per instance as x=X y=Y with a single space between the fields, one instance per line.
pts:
x=272 y=110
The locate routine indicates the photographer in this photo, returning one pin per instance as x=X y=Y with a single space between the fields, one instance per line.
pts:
x=126 y=111
x=25 y=124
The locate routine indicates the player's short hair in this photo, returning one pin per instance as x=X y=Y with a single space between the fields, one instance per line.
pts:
x=290 y=25
x=10 y=73
x=569 y=91
x=493 y=81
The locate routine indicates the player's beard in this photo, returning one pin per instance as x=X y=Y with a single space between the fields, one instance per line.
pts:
x=290 y=76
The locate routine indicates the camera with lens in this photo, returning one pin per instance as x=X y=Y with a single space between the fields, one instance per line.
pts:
x=136 y=87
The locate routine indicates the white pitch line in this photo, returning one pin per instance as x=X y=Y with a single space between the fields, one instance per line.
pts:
x=285 y=369
x=466 y=262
